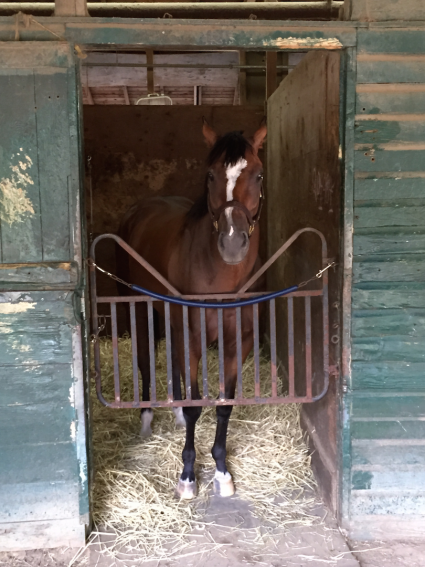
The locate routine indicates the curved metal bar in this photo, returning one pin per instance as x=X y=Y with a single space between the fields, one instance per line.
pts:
x=279 y=252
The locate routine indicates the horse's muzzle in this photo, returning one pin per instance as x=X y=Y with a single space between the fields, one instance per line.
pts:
x=233 y=247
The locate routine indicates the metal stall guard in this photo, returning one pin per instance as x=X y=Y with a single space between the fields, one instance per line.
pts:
x=218 y=302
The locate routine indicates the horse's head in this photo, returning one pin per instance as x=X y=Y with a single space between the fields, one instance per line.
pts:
x=234 y=189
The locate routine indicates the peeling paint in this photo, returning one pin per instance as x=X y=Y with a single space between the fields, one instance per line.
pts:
x=15 y=205
x=12 y=308
x=73 y=431
x=303 y=42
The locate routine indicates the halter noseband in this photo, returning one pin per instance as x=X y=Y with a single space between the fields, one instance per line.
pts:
x=252 y=220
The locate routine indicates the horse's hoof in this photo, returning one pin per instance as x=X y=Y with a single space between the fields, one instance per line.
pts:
x=146 y=419
x=223 y=484
x=186 y=489
x=179 y=415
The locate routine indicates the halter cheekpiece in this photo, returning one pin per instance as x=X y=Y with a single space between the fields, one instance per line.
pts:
x=252 y=220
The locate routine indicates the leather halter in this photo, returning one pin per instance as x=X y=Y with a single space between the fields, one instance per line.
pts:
x=252 y=220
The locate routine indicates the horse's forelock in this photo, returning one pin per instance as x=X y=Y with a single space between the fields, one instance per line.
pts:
x=233 y=145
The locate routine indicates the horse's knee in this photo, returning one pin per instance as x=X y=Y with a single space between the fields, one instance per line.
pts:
x=223 y=412
x=219 y=453
x=192 y=414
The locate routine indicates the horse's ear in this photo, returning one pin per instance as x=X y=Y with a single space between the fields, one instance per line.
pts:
x=258 y=137
x=209 y=134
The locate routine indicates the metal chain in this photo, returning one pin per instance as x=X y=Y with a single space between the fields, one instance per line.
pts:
x=91 y=262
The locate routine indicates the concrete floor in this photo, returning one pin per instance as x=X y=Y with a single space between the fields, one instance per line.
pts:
x=232 y=541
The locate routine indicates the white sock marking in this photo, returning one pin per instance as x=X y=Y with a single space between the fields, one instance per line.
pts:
x=146 y=418
x=222 y=477
x=178 y=414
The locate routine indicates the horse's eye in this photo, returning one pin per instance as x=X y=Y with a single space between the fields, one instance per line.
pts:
x=210 y=176
x=260 y=177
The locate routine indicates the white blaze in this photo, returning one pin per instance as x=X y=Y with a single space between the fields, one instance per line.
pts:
x=232 y=175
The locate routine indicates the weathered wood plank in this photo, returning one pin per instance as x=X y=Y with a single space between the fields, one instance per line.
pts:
x=36 y=328
x=53 y=137
x=407 y=375
x=389 y=189
x=388 y=295
x=382 y=10
x=63 y=275
x=402 y=212
x=384 y=160
x=30 y=54
x=387 y=240
x=38 y=501
x=389 y=268
x=388 y=480
x=394 y=502
x=395 y=40
x=384 y=131
x=390 y=322
x=390 y=99
x=391 y=407
x=390 y=429
x=369 y=453
x=50 y=422
x=40 y=462
x=49 y=383
x=42 y=534
x=19 y=180
x=388 y=70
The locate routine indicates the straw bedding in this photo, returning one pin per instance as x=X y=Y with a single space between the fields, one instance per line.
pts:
x=135 y=477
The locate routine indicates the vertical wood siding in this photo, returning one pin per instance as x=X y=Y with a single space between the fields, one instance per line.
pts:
x=388 y=301
x=43 y=464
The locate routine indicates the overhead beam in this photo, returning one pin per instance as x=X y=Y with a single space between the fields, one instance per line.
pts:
x=216 y=10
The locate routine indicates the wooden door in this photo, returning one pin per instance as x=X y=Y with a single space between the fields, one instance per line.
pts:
x=43 y=464
x=304 y=190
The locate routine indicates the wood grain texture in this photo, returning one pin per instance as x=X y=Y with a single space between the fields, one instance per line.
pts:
x=389 y=429
x=400 y=480
x=397 y=213
x=389 y=189
x=396 y=502
x=390 y=322
x=389 y=240
x=382 y=10
x=397 y=40
x=382 y=160
x=381 y=454
x=53 y=275
x=388 y=406
x=389 y=268
x=391 y=71
x=388 y=376
x=383 y=131
x=387 y=295
x=390 y=99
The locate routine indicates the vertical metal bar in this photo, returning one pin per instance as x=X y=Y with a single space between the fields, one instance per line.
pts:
x=291 y=371
x=186 y=352
x=239 y=349
x=307 y=305
x=152 y=350
x=115 y=352
x=272 y=308
x=204 y=352
x=220 y=353
x=168 y=352
x=256 y=352
x=134 y=351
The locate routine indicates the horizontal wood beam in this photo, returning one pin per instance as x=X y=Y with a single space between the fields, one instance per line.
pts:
x=70 y=8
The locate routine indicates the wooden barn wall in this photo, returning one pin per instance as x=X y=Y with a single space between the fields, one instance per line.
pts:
x=386 y=396
x=43 y=460
x=137 y=152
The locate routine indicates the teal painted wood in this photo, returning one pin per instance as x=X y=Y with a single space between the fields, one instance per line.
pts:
x=382 y=10
x=381 y=453
x=387 y=480
x=389 y=429
x=39 y=276
x=387 y=295
x=389 y=375
x=382 y=160
x=389 y=268
x=51 y=97
x=389 y=240
x=403 y=212
x=39 y=501
x=380 y=503
x=388 y=406
x=384 y=131
x=394 y=40
x=396 y=100
x=396 y=71
x=49 y=384
x=389 y=189
x=40 y=462
x=19 y=179
x=389 y=322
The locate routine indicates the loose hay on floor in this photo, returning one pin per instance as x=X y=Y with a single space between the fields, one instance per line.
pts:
x=135 y=477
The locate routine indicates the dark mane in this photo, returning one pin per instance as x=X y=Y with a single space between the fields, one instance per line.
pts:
x=234 y=146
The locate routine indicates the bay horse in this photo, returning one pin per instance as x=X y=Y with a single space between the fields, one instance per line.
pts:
x=210 y=246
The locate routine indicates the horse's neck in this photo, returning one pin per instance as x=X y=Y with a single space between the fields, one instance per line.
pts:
x=208 y=271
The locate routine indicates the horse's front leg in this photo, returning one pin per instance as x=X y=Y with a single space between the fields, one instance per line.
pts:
x=186 y=486
x=223 y=482
x=143 y=359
